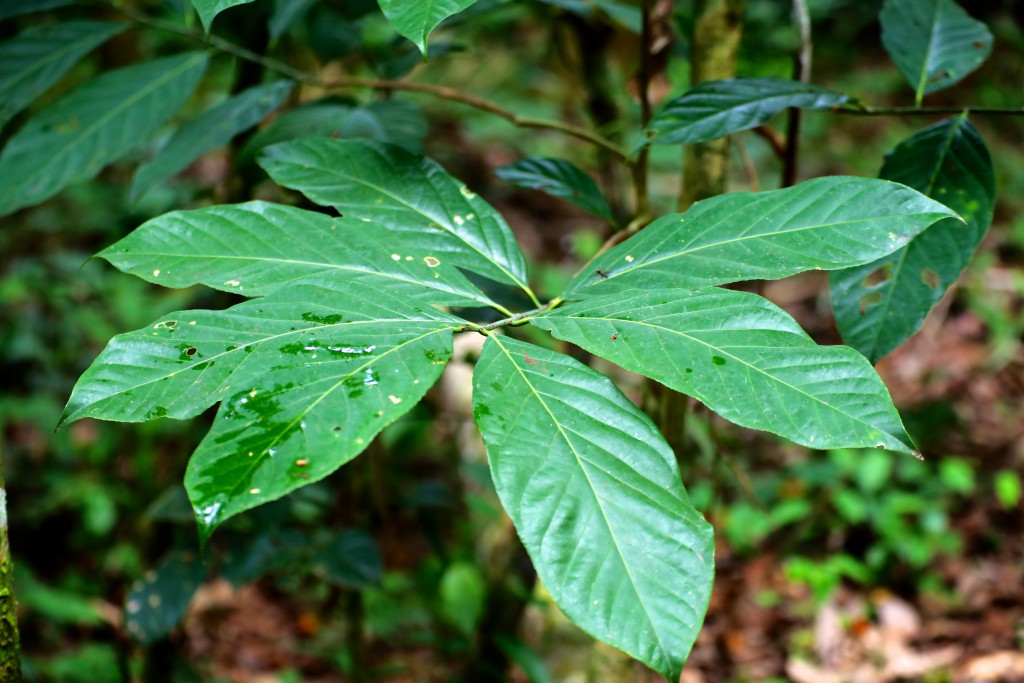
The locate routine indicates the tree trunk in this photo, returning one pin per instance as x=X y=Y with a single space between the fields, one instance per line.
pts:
x=714 y=47
x=10 y=642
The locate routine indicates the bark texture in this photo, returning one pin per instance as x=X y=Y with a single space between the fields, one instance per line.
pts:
x=714 y=46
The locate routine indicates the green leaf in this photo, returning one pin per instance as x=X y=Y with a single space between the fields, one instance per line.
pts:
x=825 y=223
x=718 y=108
x=559 y=178
x=622 y=13
x=879 y=305
x=14 y=8
x=211 y=129
x=75 y=137
x=463 y=593
x=744 y=358
x=316 y=119
x=286 y=14
x=156 y=603
x=351 y=559
x=415 y=19
x=396 y=122
x=595 y=494
x=413 y=197
x=306 y=378
x=35 y=59
x=933 y=43
x=257 y=247
x=208 y=9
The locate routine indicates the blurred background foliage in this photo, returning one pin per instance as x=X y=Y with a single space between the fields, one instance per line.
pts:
x=386 y=571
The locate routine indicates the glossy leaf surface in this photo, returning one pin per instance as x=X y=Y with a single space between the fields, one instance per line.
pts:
x=413 y=197
x=826 y=223
x=211 y=129
x=744 y=358
x=595 y=494
x=559 y=178
x=79 y=134
x=718 y=108
x=208 y=9
x=934 y=43
x=33 y=60
x=881 y=304
x=306 y=377
x=415 y=19
x=257 y=247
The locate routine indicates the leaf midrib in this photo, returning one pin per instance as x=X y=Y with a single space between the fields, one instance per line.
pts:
x=446 y=223
x=689 y=252
x=426 y=283
x=126 y=104
x=622 y=322
x=593 y=490
x=890 y=290
x=53 y=58
x=239 y=347
x=255 y=461
x=711 y=114
x=922 y=82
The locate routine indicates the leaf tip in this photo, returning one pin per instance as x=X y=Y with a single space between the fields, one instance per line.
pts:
x=208 y=518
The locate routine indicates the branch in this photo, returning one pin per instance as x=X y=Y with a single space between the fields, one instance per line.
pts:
x=772 y=137
x=513 y=320
x=455 y=95
x=640 y=166
x=857 y=109
x=441 y=92
x=802 y=73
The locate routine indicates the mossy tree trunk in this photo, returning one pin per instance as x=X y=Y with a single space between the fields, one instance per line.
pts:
x=10 y=642
x=714 y=46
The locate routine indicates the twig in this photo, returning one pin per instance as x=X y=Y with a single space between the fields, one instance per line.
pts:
x=640 y=166
x=858 y=109
x=801 y=73
x=455 y=95
x=441 y=92
x=748 y=164
x=772 y=137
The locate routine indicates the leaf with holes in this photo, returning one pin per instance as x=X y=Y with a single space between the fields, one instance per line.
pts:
x=820 y=224
x=934 y=43
x=257 y=247
x=156 y=603
x=744 y=358
x=595 y=495
x=211 y=129
x=36 y=58
x=412 y=197
x=79 y=134
x=879 y=305
x=306 y=377
x=415 y=19
x=559 y=178
x=715 y=109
